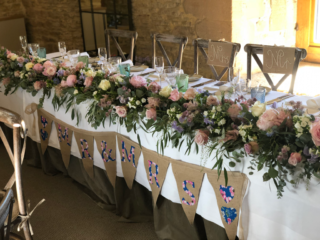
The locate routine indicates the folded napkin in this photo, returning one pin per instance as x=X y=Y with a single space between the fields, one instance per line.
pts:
x=53 y=55
x=210 y=88
x=138 y=68
x=313 y=105
x=224 y=88
x=127 y=62
x=84 y=54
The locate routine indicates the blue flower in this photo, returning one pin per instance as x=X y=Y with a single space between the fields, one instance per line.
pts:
x=270 y=133
x=177 y=127
x=207 y=121
x=56 y=81
x=274 y=105
x=82 y=76
x=60 y=73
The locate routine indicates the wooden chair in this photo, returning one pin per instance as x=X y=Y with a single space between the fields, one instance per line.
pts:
x=202 y=44
x=114 y=33
x=19 y=209
x=157 y=38
x=254 y=49
x=6 y=206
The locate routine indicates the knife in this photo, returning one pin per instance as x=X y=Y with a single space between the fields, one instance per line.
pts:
x=200 y=84
x=144 y=74
x=279 y=99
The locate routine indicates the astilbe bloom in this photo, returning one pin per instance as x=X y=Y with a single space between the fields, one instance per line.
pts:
x=283 y=155
x=105 y=101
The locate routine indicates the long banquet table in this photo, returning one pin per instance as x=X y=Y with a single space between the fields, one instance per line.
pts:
x=264 y=217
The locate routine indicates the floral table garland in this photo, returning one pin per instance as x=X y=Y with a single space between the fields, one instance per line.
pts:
x=285 y=141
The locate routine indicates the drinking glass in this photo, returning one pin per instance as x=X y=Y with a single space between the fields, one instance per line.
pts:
x=125 y=69
x=42 y=52
x=259 y=93
x=73 y=56
x=33 y=48
x=182 y=82
x=102 y=52
x=159 y=64
x=170 y=74
x=114 y=61
x=23 y=41
x=62 y=48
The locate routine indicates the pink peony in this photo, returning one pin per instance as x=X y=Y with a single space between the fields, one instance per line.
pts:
x=88 y=81
x=190 y=94
x=268 y=119
x=71 y=80
x=48 y=64
x=20 y=59
x=175 y=95
x=80 y=65
x=231 y=135
x=38 y=68
x=50 y=71
x=138 y=81
x=151 y=114
x=153 y=102
x=17 y=73
x=121 y=111
x=202 y=137
x=64 y=84
x=295 y=158
x=284 y=114
x=39 y=84
x=234 y=110
x=315 y=132
x=212 y=101
x=6 y=81
x=247 y=148
x=154 y=87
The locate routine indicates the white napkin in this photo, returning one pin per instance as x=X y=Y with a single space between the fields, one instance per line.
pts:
x=127 y=62
x=313 y=105
x=84 y=54
x=53 y=55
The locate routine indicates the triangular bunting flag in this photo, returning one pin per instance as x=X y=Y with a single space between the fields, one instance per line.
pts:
x=189 y=180
x=45 y=124
x=106 y=145
x=229 y=198
x=156 y=167
x=85 y=145
x=64 y=136
x=130 y=154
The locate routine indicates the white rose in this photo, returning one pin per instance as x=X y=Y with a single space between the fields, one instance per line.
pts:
x=90 y=73
x=138 y=102
x=165 y=92
x=205 y=113
x=217 y=131
x=219 y=108
x=297 y=125
x=258 y=108
x=104 y=85
x=222 y=122
x=41 y=60
x=94 y=93
x=143 y=100
x=304 y=124
x=299 y=135
x=242 y=133
x=75 y=92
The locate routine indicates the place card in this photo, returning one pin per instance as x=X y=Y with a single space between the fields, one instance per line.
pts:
x=278 y=59
x=219 y=53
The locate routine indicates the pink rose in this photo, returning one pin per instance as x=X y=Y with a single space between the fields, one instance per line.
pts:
x=154 y=87
x=138 y=81
x=151 y=114
x=315 y=132
x=268 y=119
x=6 y=81
x=121 y=111
x=247 y=148
x=17 y=73
x=284 y=114
x=88 y=81
x=294 y=159
x=234 y=110
x=64 y=84
x=20 y=59
x=231 y=135
x=212 y=101
x=10 y=55
x=50 y=71
x=190 y=94
x=8 y=52
x=202 y=137
x=153 y=102
x=63 y=65
x=39 y=84
x=48 y=64
x=80 y=65
x=175 y=95
x=71 y=80
x=38 y=68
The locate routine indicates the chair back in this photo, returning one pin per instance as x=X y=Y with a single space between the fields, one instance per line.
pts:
x=115 y=33
x=201 y=45
x=254 y=49
x=6 y=205
x=157 y=38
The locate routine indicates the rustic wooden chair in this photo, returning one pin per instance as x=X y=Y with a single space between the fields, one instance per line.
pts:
x=19 y=209
x=157 y=38
x=254 y=49
x=114 y=33
x=202 y=44
x=6 y=206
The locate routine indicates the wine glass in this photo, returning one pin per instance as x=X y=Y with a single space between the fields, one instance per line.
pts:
x=170 y=74
x=33 y=48
x=24 y=44
x=62 y=48
x=159 y=64
x=102 y=52
x=73 y=56
x=114 y=61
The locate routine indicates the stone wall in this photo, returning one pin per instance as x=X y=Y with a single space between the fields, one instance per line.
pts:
x=11 y=9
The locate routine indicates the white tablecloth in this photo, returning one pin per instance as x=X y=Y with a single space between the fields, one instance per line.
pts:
x=265 y=217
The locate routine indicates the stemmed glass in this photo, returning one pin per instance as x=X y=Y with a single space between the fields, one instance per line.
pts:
x=159 y=64
x=62 y=48
x=170 y=74
x=24 y=44
x=102 y=52
x=73 y=56
x=114 y=61
x=33 y=48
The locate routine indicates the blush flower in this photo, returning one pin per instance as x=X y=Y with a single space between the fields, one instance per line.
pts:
x=64 y=84
x=153 y=102
x=231 y=135
x=138 y=81
x=234 y=110
x=50 y=71
x=48 y=64
x=71 y=80
x=121 y=111
x=268 y=119
x=212 y=101
x=190 y=94
x=294 y=159
x=315 y=132
x=80 y=65
x=17 y=73
x=154 y=87
x=6 y=81
x=88 y=81
x=175 y=95
x=247 y=148
x=39 y=85
x=284 y=114
x=20 y=59
x=38 y=68
x=202 y=137
x=151 y=113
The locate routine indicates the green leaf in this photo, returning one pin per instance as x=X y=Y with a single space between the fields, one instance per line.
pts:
x=225 y=176
x=232 y=164
x=139 y=93
x=72 y=114
x=266 y=177
x=272 y=172
x=250 y=173
x=139 y=141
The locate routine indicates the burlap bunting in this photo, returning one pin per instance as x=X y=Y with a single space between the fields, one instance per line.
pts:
x=45 y=124
x=156 y=168
x=107 y=148
x=130 y=154
x=65 y=137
